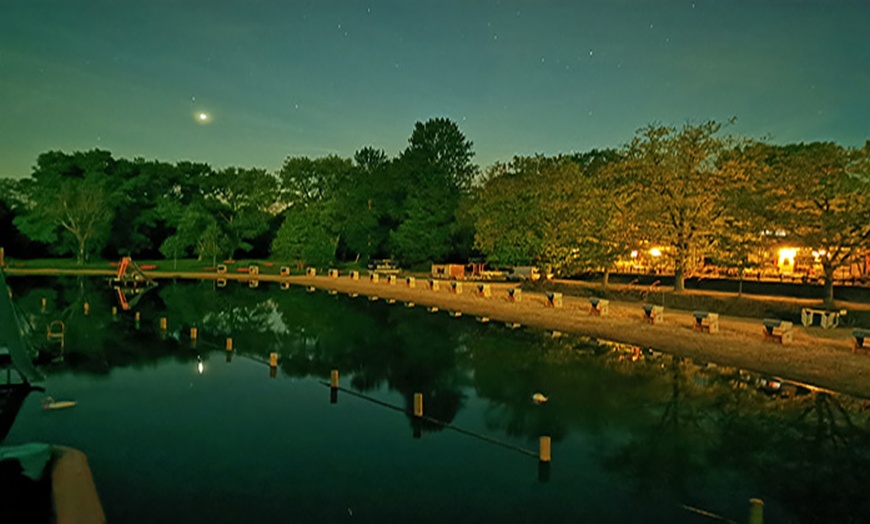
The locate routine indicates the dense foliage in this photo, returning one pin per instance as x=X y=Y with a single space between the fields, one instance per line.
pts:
x=695 y=193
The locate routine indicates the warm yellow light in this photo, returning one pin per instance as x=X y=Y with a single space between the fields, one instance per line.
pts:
x=634 y=254
x=656 y=252
x=202 y=117
x=200 y=367
x=787 y=253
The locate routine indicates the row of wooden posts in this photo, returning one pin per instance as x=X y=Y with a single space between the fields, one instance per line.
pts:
x=544 y=442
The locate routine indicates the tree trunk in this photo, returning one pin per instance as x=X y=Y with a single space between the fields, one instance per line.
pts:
x=679 y=279
x=829 y=283
x=80 y=258
x=606 y=281
x=740 y=281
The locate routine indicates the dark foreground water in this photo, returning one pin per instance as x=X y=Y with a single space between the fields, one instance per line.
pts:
x=176 y=433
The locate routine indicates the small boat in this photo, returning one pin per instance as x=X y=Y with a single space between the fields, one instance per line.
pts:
x=539 y=398
x=50 y=403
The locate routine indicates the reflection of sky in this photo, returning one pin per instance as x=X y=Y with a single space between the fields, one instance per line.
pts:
x=291 y=78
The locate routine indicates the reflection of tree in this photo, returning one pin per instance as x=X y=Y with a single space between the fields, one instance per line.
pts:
x=812 y=456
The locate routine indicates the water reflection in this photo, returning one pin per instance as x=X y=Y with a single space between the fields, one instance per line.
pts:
x=665 y=428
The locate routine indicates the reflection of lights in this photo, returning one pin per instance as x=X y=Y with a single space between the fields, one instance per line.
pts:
x=202 y=117
x=199 y=366
x=656 y=252
x=634 y=254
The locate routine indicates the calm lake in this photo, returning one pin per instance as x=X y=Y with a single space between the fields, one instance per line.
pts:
x=184 y=432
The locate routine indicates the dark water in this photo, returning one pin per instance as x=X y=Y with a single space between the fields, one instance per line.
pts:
x=634 y=439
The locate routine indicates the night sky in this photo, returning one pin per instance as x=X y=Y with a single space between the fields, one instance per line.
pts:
x=277 y=78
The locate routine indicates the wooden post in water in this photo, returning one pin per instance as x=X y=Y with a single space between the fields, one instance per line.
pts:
x=138 y=316
x=756 y=511
x=163 y=323
x=273 y=360
x=114 y=311
x=544 y=449
x=333 y=386
x=193 y=333
x=87 y=308
x=418 y=405
x=44 y=302
x=229 y=344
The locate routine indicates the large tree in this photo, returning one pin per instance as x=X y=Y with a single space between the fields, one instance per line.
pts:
x=680 y=180
x=70 y=201
x=436 y=171
x=822 y=200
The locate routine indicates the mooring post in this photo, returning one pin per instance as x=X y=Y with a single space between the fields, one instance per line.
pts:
x=333 y=379
x=273 y=360
x=229 y=344
x=163 y=323
x=756 y=511
x=544 y=449
x=87 y=308
x=193 y=333
x=418 y=405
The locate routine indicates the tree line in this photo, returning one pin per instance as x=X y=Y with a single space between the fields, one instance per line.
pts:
x=701 y=194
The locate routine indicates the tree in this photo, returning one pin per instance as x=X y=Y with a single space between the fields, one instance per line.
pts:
x=243 y=201
x=566 y=212
x=304 y=237
x=680 y=181
x=305 y=180
x=70 y=198
x=365 y=206
x=821 y=199
x=436 y=169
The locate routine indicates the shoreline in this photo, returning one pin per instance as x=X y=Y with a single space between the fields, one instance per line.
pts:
x=817 y=357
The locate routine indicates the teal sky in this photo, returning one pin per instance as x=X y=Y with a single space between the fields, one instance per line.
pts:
x=280 y=78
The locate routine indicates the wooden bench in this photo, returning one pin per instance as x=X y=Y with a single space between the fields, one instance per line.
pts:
x=554 y=300
x=599 y=306
x=653 y=314
x=777 y=331
x=706 y=321
x=858 y=344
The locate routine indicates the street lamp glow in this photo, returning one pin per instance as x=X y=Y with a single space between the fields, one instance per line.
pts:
x=202 y=117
